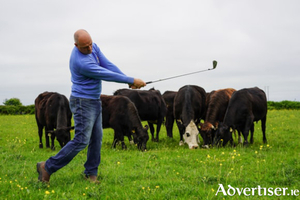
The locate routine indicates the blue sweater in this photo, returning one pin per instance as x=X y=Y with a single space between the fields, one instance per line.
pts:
x=87 y=71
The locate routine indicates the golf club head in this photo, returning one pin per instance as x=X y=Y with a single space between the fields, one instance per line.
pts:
x=215 y=64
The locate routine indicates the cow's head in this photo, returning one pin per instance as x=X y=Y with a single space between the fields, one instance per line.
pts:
x=223 y=134
x=207 y=132
x=141 y=138
x=62 y=135
x=190 y=135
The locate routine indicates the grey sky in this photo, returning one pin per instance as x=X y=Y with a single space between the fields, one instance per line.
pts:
x=256 y=43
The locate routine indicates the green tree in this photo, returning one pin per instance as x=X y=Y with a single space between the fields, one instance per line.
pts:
x=12 y=102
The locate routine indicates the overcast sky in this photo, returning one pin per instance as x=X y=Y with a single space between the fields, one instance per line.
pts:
x=256 y=43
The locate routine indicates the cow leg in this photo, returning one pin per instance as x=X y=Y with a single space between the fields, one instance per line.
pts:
x=128 y=133
x=52 y=141
x=40 y=127
x=252 y=133
x=123 y=144
x=169 y=125
x=245 y=134
x=158 y=130
x=47 y=138
x=151 y=130
x=114 y=141
x=130 y=139
x=124 y=132
x=248 y=126
x=181 y=132
x=121 y=139
x=263 y=128
x=232 y=142
x=116 y=135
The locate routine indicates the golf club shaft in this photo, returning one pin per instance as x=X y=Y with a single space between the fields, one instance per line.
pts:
x=214 y=66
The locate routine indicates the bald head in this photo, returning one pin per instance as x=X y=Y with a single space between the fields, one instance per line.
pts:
x=83 y=41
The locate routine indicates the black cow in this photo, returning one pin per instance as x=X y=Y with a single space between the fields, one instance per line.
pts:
x=119 y=113
x=245 y=107
x=150 y=105
x=216 y=102
x=189 y=109
x=52 y=111
x=169 y=96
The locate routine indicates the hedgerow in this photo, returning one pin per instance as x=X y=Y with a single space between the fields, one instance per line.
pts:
x=22 y=110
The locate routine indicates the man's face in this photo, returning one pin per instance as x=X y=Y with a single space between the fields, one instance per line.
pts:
x=85 y=45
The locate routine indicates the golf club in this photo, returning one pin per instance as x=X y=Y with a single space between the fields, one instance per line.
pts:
x=214 y=67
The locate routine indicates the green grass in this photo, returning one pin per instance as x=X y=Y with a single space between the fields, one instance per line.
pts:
x=165 y=171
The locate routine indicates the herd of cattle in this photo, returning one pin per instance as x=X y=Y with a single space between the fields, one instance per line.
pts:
x=215 y=115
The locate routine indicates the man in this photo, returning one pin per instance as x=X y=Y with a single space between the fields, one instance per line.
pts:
x=88 y=67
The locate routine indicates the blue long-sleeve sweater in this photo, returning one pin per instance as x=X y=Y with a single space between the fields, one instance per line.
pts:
x=87 y=71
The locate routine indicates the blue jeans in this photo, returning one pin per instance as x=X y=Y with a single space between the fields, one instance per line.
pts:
x=87 y=114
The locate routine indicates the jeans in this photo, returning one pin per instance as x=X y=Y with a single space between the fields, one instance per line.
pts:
x=87 y=114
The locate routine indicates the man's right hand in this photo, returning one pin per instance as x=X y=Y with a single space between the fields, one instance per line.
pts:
x=137 y=84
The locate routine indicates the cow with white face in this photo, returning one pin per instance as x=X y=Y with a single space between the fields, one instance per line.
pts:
x=191 y=135
x=189 y=109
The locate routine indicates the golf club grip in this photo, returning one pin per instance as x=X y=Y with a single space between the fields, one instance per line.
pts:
x=148 y=82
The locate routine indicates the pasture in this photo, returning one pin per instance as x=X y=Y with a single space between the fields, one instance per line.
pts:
x=164 y=171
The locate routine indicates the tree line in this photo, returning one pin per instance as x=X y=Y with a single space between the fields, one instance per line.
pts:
x=14 y=106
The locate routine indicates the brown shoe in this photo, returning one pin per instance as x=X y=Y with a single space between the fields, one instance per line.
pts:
x=92 y=179
x=43 y=174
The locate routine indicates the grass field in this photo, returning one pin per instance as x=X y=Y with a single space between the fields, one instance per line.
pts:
x=165 y=171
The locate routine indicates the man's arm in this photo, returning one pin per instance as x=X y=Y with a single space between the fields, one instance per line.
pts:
x=104 y=62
